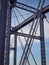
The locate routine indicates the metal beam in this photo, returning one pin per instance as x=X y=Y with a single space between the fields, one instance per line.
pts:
x=30 y=19
x=3 y=15
x=15 y=50
x=7 y=35
x=12 y=48
x=42 y=41
x=26 y=35
x=24 y=7
x=12 y=1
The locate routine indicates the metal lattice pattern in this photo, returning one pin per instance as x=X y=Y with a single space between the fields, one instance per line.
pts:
x=34 y=21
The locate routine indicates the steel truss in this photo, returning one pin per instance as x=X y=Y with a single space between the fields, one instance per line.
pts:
x=29 y=20
x=5 y=44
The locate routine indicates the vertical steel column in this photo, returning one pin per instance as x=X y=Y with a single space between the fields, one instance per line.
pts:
x=0 y=5
x=15 y=50
x=3 y=14
x=43 y=58
x=7 y=35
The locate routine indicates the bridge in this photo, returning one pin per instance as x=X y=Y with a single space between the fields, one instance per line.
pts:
x=6 y=30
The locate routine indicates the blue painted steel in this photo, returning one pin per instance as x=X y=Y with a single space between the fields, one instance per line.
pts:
x=3 y=13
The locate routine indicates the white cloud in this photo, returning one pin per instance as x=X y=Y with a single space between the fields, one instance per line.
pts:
x=12 y=40
x=46 y=25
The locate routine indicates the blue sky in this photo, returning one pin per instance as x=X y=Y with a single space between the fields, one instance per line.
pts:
x=36 y=46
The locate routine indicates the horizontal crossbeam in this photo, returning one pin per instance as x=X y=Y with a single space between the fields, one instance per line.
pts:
x=27 y=35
